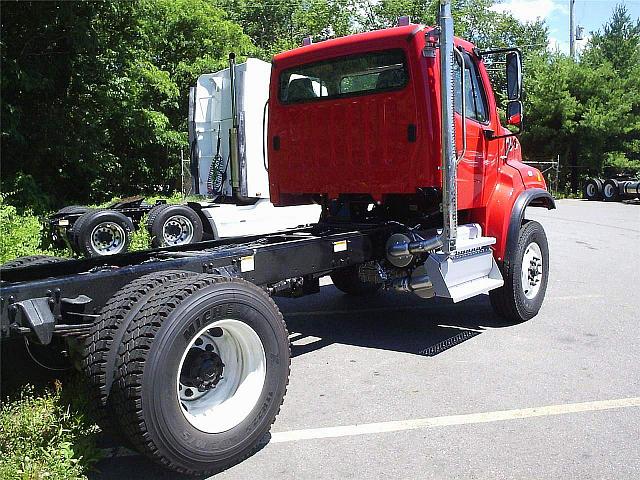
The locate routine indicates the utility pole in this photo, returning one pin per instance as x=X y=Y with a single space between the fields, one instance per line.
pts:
x=572 y=31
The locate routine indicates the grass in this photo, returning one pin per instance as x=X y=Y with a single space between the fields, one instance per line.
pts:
x=47 y=434
x=21 y=235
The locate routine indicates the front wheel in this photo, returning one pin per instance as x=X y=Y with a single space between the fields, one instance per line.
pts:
x=526 y=274
x=203 y=369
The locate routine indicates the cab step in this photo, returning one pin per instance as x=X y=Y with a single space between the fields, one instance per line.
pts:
x=470 y=271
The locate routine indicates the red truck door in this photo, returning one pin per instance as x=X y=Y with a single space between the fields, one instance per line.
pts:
x=476 y=170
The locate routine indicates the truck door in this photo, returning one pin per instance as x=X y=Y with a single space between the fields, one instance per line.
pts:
x=475 y=165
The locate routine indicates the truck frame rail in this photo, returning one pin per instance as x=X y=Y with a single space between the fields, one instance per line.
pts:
x=66 y=297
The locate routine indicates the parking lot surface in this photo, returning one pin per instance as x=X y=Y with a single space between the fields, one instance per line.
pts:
x=393 y=386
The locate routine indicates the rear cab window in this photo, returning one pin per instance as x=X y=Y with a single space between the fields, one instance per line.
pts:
x=359 y=74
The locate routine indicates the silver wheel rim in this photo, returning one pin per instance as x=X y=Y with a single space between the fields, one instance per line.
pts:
x=108 y=238
x=177 y=230
x=591 y=190
x=608 y=190
x=531 y=272
x=220 y=393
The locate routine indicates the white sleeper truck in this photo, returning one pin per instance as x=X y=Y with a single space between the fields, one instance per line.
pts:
x=229 y=168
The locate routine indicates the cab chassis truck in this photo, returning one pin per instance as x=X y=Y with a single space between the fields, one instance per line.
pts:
x=185 y=351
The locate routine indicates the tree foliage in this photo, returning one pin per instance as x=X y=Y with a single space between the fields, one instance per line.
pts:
x=588 y=111
x=94 y=94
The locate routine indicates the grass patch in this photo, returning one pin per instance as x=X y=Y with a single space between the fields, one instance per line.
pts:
x=140 y=238
x=21 y=234
x=47 y=434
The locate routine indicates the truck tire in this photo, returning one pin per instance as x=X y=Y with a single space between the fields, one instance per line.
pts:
x=31 y=260
x=348 y=281
x=100 y=233
x=611 y=190
x=592 y=189
x=525 y=274
x=202 y=372
x=101 y=346
x=72 y=209
x=174 y=225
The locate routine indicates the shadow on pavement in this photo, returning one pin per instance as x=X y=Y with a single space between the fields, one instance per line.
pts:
x=388 y=321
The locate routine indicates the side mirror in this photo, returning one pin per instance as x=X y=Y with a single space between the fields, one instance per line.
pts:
x=514 y=76
x=514 y=114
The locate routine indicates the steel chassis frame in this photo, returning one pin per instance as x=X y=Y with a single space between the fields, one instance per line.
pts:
x=65 y=298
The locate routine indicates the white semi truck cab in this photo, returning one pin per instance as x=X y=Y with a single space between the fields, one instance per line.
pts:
x=229 y=164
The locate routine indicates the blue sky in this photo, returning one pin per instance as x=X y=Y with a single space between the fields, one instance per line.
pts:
x=591 y=14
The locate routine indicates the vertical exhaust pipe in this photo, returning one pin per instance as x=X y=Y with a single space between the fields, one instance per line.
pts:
x=233 y=132
x=448 y=157
x=447 y=130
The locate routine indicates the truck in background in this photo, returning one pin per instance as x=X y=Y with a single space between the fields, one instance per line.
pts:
x=229 y=168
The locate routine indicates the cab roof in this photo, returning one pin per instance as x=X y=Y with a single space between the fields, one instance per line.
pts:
x=387 y=38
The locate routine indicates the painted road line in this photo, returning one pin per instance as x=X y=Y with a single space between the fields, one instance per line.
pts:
x=472 y=418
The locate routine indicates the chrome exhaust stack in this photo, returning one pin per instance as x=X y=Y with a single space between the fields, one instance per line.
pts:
x=448 y=158
x=233 y=132
x=447 y=131
x=460 y=263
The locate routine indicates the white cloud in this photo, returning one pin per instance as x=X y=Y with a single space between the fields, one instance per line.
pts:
x=563 y=45
x=530 y=10
x=555 y=44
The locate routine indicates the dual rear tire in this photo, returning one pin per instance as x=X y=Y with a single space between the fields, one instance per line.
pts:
x=99 y=233
x=171 y=225
x=200 y=366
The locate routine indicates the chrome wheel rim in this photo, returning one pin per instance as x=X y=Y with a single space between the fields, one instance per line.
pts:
x=221 y=376
x=108 y=238
x=531 y=272
x=591 y=190
x=177 y=230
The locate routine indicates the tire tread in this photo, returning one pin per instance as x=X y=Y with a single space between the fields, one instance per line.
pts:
x=134 y=349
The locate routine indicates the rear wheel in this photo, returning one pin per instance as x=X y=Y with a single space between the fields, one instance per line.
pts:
x=611 y=190
x=348 y=281
x=174 y=225
x=102 y=232
x=203 y=369
x=101 y=346
x=593 y=189
x=525 y=273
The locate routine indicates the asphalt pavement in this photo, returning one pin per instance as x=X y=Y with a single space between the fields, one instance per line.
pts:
x=398 y=387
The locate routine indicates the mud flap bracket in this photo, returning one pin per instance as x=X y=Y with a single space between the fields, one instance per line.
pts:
x=39 y=317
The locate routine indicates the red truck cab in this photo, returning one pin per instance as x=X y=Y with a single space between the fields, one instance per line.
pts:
x=359 y=117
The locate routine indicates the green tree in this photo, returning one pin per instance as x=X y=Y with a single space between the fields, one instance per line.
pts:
x=95 y=93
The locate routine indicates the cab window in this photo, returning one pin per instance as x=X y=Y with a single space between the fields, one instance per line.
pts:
x=346 y=76
x=474 y=95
